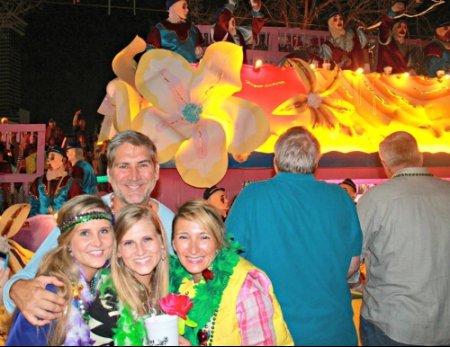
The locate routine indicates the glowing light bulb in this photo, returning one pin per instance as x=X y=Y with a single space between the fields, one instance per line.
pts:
x=258 y=64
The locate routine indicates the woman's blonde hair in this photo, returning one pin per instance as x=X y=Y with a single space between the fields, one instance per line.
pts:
x=128 y=288
x=206 y=215
x=60 y=263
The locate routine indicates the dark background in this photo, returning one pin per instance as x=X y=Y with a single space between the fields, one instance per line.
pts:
x=67 y=56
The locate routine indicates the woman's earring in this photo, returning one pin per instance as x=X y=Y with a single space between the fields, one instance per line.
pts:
x=163 y=256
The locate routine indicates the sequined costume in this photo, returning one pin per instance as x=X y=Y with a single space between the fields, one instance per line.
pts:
x=48 y=197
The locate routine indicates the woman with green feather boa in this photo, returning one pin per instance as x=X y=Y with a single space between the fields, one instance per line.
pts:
x=138 y=279
x=234 y=303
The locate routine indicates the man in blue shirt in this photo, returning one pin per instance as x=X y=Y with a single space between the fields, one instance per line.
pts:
x=305 y=235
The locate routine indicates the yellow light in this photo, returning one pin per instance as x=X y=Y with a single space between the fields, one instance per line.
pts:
x=258 y=65
x=440 y=73
x=313 y=66
x=359 y=71
x=406 y=74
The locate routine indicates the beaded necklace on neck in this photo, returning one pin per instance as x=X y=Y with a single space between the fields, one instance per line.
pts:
x=412 y=174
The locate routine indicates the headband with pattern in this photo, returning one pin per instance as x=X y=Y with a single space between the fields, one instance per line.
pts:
x=69 y=223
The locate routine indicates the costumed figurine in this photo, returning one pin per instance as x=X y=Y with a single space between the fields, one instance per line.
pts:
x=393 y=50
x=437 y=53
x=51 y=190
x=225 y=28
x=176 y=33
x=345 y=47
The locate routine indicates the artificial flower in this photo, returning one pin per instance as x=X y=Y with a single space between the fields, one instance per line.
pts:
x=315 y=107
x=194 y=117
x=178 y=305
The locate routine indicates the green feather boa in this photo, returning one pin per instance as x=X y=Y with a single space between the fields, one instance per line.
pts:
x=130 y=330
x=208 y=294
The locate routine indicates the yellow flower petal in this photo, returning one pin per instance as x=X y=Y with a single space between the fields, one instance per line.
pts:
x=124 y=65
x=164 y=78
x=167 y=140
x=128 y=103
x=202 y=160
x=249 y=128
x=219 y=73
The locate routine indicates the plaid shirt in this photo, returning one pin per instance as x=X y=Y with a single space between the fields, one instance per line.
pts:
x=255 y=311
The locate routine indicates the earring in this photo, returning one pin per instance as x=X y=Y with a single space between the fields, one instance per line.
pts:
x=163 y=256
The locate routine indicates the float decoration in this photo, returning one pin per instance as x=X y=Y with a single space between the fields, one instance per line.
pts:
x=198 y=114
x=189 y=111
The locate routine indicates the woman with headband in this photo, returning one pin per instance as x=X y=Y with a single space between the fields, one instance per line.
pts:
x=84 y=248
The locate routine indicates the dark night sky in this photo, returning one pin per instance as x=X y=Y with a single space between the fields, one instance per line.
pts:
x=68 y=51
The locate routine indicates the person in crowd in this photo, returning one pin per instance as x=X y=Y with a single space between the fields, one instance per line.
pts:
x=234 y=302
x=305 y=234
x=50 y=191
x=437 y=52
x=406 y=227
x=139 y=279
x=101 y=164
x=176 y=33
x=393 y=49
x=344 y=47
x=217 y=197
x=225 y=28
x=350 y=187
x=83 y=249
x=55 y=132
x=133 y=171
x=81 y=170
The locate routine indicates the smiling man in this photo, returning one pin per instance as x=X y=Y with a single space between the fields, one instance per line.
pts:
x=133 y=171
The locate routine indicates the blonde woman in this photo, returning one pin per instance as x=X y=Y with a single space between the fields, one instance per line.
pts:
x=139 y=278
x=84 y=248
x=234 y=303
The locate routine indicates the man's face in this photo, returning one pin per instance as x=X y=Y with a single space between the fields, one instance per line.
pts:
x=443 y=33
x=399 y=30
x=220 y=201
x=336 y=22
x=52 y=125
x=132 y=175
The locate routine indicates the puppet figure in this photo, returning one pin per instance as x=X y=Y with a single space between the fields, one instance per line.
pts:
x=344 y=47
x=437 y=53
x=176 y=33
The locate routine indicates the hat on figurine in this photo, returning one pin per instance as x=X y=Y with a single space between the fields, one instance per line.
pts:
x=443 y=22
x=57 y=149
x=169 y=3
x=331 y=11
x=73 y=144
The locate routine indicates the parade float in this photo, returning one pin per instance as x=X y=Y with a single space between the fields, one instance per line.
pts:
x=219 y=112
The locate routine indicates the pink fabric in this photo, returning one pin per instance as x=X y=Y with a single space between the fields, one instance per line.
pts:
x=255 y=311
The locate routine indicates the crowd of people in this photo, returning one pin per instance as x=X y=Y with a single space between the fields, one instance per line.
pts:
x=273 y=267
x=274 y=273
